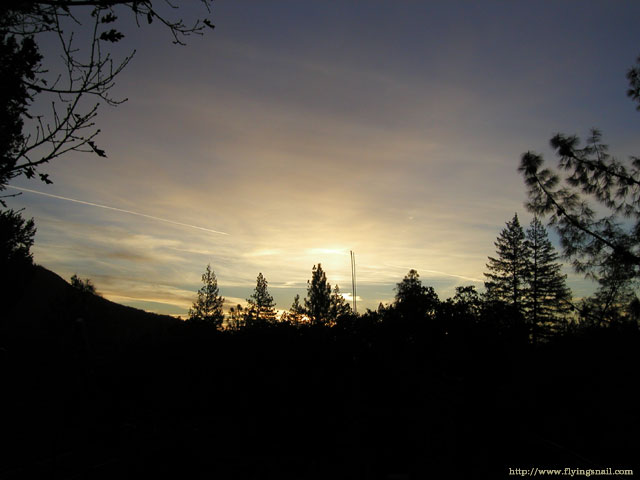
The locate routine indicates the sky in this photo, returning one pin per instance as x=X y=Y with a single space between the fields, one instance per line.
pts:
x=296 y=132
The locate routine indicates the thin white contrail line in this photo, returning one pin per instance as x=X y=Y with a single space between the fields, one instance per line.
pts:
x=441 y=273
x=117 y=210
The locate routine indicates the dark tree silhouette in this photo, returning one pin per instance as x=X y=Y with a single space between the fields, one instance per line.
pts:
x=507 y=274
x=296 y=312
x=235 y=321
x=338 y=307
x=633 y=75
x=548 y=299
x=467 y=301
x=588 y=240
x=318 y=301
x=84 y=286
x=16 y=260
x=612 y=304
x=413 y=300
x=208 y=306
x=16 y=239
x=18 y=63
x=73 y=88
x=260 y=304
x=591 y=175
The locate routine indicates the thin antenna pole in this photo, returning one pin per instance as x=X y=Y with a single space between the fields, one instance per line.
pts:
x=353 y=281
x=355 y=286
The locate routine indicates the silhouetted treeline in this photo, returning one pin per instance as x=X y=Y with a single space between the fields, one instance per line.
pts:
x=415 y=389
x=464 y=387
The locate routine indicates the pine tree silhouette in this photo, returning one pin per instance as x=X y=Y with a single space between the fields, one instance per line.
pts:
x=508 y=271
x=318 y=300
x=208 y=305
x=260 y=304
x=548 y=297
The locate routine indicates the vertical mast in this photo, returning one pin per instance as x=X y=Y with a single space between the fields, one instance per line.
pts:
x=353 y=281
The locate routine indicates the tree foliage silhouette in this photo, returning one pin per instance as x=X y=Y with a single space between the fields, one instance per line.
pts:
x=73 y=89
x=85 y=286
x=526 y=276
x=467 y=301
x=208 y=305
x=633 y=75
x=590 y=175
x=547 y=297
x=318 y=301
x=613 y=300
x=260 y=304
x=296 y=313
x=16 y=259
x=236 y=318
x=16 y=239
x=414 y=300
x=18 y=63
x=586 y=238
x=338 y=306
x=507 y=276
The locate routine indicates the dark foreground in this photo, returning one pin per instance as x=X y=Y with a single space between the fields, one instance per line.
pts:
x=362 y=399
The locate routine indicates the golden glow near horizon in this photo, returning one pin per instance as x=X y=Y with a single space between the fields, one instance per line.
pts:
x=271 y=146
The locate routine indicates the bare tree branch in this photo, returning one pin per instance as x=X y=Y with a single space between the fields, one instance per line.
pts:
x=81 y=82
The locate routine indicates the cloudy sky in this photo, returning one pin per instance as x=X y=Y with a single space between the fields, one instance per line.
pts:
x=298 y=131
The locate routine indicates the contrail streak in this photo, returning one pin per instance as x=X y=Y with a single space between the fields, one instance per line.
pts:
x=117 y=210
x=441 y=273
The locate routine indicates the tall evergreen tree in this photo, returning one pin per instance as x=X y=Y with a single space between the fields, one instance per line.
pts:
x=547 y=299
x=261 y=304
x=318 y=300
x=208 y=305
x=507 y=275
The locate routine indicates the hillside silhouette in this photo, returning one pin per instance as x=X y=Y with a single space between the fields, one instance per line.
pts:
x=48 y=305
